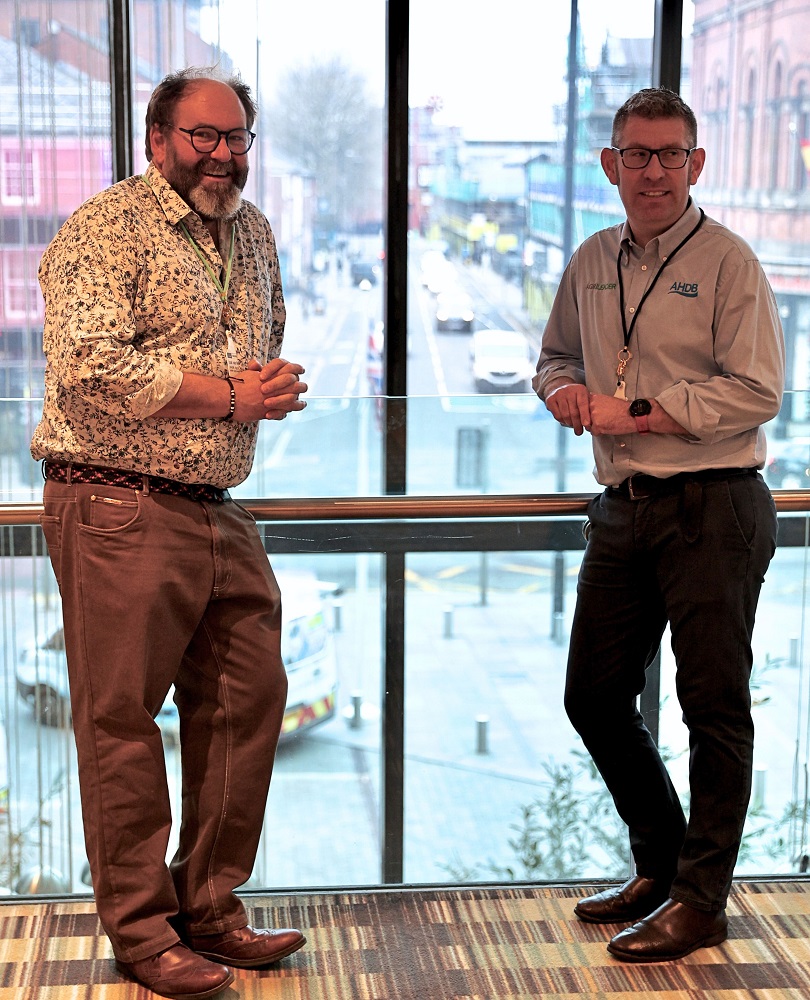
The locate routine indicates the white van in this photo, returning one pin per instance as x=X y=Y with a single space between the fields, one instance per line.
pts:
x=307 y=647
x=501 y=361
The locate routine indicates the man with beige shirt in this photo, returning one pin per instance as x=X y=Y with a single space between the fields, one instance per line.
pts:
x=163 y=329
x=664 y=343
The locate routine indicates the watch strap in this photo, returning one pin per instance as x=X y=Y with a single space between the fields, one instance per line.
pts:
x=642 y=424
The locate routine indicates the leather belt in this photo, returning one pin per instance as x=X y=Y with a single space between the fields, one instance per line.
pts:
x=643 y=487
x=74 y=472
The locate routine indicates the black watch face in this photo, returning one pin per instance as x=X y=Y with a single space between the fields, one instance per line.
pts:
x=640 y=408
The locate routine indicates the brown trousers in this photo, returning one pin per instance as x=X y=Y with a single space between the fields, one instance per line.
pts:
x=160 y=590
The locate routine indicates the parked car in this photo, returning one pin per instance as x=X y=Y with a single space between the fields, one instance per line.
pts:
x=437 y=273
x=789 y=467
x=365 y=271
x=501 y=361
x=307 y=648
x=430 y=262
x=454 y=311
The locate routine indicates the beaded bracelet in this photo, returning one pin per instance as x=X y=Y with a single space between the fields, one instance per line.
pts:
x=232 y=406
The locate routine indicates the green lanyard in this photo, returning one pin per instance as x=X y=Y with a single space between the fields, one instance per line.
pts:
x=221 y=286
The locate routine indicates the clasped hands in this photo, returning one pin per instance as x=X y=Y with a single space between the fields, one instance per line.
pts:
x=268 y=392
x=573 y=406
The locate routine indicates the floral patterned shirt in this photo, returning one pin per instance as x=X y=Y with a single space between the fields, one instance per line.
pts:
x=129 y=307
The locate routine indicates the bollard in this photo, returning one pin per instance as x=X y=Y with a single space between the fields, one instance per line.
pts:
x=793 y=655
x=356 y=720
x=448 y=622
x=558 y=627
x=337 y=616
x=758 y=791
x=482 y=734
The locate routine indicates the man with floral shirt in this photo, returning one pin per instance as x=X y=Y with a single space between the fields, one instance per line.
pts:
x=163 y=330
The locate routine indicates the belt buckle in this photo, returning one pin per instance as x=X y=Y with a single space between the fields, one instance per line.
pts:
x=631 y=492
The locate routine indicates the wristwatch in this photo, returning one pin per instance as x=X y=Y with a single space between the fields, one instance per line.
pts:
x=640 y=409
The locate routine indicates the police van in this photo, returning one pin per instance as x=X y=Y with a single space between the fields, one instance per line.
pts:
x=307 y=648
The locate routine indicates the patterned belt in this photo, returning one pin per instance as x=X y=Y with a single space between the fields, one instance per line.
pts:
x=72 y=472
x=644 y=487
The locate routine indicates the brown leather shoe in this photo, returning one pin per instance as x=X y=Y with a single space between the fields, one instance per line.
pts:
x=179 y=974
x=672 y=931
x=637 y=898
x=246 y=948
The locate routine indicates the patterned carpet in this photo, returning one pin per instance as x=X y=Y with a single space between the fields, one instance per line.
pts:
x=519 y=942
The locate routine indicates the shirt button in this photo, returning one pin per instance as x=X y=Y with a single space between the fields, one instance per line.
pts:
x=623 y=445
x=643 y=267
x=632 y=309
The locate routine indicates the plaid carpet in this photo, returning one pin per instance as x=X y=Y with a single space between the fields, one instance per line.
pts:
x=518 y=942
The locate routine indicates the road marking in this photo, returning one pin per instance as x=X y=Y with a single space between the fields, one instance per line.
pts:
x=359 y=363
x=453 y=571
x=433 y=348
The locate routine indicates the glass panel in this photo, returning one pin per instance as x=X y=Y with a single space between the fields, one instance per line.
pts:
x=55 y=151
x=498 y=786
x=505 y=183
x=317 y=171
x=505 y=178
x=326 y=778
x=752 y=103
x=323 y=817
x=775 y=836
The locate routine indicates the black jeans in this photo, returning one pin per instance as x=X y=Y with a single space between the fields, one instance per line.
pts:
x=695 y=559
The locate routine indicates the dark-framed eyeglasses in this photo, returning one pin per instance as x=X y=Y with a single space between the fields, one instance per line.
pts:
x=671 y=158
x=205 y=139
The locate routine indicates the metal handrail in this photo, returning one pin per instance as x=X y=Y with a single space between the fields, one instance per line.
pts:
x=412 y=507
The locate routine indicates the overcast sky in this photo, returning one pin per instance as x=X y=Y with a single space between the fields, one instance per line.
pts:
x=498 y=76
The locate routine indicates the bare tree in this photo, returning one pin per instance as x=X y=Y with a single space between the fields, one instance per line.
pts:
x=322 y=119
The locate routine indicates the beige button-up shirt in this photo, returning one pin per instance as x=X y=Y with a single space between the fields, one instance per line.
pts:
x=129 y=307
x=707 y=344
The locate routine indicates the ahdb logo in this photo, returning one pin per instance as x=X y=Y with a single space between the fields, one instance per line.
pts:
x=684 y=288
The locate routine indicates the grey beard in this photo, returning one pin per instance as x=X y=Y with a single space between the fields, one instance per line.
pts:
x=215 y=205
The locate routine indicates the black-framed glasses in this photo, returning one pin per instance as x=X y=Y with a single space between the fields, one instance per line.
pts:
x=671 y=158
x=205 y=139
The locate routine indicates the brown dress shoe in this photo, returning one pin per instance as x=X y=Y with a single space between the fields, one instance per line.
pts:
x=672 y=931
x=246 y=948
x=178 y=974
x=637 y=898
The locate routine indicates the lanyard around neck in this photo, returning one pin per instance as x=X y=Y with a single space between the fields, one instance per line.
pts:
x=625 y=354
x=221 y=285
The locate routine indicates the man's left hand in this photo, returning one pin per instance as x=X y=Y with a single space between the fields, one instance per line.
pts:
x=610 y=415
x=281 y=387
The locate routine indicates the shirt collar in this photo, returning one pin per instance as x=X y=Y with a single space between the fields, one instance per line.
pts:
x=669 y=239
x=174 y=208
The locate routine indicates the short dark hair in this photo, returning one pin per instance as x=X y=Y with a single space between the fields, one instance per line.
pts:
x=172 y=88
x=655 y=102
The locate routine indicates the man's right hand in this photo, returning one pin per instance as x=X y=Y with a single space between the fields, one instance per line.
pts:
x=269 y=392
x=570 y=406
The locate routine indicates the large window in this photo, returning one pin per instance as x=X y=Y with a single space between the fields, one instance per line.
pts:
x=424 y=738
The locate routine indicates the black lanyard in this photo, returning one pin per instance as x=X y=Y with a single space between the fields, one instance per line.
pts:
x=625 y=354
